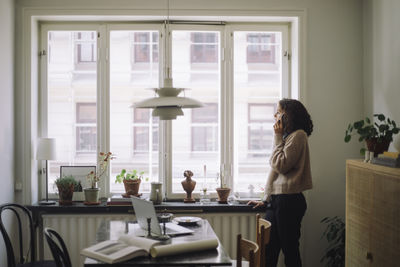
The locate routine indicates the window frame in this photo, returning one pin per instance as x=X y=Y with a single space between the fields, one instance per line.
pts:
x=227 y=158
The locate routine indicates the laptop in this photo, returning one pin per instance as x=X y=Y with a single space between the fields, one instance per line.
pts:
x=145 y=209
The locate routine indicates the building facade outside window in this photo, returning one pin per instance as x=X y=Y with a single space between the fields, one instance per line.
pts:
x=86 y=130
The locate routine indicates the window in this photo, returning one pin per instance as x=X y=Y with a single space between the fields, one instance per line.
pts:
x=257 y=89
x=145 y=47
x=145 y=128
x=86 y=132
x=260 y=132
x=198 y=145
x=261 y=47
x=71 y=115
x=89 y=108
x=133 y=132
x=205 y=128
x=203 y=48
x=85 y=46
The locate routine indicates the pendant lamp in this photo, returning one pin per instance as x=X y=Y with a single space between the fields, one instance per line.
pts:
x=168 y=105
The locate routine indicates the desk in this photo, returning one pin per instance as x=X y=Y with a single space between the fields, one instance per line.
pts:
x=217 y=257
x=191 y=209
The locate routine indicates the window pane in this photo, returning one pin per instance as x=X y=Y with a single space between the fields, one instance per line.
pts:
x=196 y=65
x=133 y=132
x=257 y=89
x=72 y=117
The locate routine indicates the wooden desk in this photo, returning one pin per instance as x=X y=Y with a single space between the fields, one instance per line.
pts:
x=215 y=257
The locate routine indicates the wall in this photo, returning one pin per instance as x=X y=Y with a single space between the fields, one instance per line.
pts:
x=6 y=109
x=332 y=90
x=382 y=60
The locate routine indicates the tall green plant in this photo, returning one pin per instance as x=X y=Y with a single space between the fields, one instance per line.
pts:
x=335 y=235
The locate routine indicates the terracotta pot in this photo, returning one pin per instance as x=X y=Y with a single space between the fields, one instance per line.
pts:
x=223 y=194
x=132 y=187
x=377 y=147
x=91 y=195
x=65 y=195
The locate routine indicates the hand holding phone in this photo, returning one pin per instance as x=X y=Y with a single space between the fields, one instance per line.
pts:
x=278 y=126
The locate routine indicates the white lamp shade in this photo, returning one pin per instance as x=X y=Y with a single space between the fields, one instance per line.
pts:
x=167 y=113
x=46 y=149
x=168 y=101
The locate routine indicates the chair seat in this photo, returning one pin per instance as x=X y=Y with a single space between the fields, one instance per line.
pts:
x=38 y=264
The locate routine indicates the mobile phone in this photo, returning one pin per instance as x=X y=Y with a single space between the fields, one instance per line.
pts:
x=282 y=119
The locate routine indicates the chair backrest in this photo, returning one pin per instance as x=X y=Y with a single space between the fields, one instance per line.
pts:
x=21 y=213
x=57 y=248
x=246 y=249
x=263 y=228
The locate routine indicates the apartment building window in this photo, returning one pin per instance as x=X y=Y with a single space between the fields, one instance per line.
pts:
x=260 y=48
x=145 y=128
x=260 y=133
x=89 y=108
x=145 y=47
x=86 y=132
x=205 y=128
x=204 y=47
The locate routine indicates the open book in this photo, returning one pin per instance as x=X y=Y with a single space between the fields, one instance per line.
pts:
x=130 y=246
x=125 y=248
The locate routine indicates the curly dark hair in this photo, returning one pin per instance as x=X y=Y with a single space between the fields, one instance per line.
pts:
x=296 y=116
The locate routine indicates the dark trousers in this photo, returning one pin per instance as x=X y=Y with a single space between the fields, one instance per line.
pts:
x=285 y=214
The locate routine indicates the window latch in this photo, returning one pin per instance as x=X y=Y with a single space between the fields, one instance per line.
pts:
x=287 y=54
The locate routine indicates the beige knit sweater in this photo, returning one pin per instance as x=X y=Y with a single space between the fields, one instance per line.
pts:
x=290 y=165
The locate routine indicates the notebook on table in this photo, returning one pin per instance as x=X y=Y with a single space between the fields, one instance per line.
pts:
x=145 y=209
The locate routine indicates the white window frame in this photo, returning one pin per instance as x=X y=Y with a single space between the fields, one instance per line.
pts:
x=227 y=158
x=43 y=94
x=232 y=161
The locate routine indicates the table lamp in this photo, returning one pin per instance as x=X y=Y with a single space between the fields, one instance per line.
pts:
x=46 y=150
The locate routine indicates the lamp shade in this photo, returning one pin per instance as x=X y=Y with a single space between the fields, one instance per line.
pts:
x=168 y=105
x=46 y=149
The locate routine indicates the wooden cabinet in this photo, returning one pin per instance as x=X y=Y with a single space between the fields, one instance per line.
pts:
x=372 y=215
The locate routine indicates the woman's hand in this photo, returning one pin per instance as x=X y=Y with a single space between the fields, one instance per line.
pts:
x=256 y=203
x=278 y=127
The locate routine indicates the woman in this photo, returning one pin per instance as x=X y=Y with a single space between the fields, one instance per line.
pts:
x=290 y=175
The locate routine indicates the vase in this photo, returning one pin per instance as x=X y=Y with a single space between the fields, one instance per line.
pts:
x=132 y=188
x=377 y=147
x=91 y=195
x=223 y=194
x=65 y=194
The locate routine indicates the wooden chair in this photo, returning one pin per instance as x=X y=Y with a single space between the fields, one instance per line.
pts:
x=263 y=228
x=20 y=213
x=57 y=248
x=246 y=249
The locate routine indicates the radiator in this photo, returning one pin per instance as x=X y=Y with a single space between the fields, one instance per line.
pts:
x=79 y=231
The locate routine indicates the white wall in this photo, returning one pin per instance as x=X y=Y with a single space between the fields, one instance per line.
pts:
x=333 y=89
x=382 y=59
x=6 y=109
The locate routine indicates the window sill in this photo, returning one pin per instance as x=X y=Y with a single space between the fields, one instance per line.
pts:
x=174 y=207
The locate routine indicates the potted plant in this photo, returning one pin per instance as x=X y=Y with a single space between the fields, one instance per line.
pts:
x=335 y=234
x=92 y=192
x=65 y=187
x=131 y=182
x=377 y=135
x=222 y=190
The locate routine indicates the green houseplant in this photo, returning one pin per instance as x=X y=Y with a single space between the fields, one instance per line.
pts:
x=335 y=234
x=65 y=187
x=131 y=182
x=377 y=135
x=92 y=192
